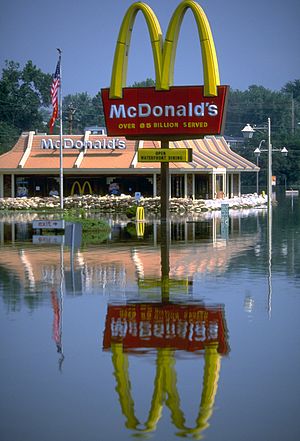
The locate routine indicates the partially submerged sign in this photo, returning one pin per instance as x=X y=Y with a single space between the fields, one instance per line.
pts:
x=48 y=224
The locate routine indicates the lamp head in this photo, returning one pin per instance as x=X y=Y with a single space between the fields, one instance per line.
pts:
x=257 y=152
x=247 y=131
x=284 y=151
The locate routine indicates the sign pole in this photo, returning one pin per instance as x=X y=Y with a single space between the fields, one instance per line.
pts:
x=165 y=186
x=164 y=225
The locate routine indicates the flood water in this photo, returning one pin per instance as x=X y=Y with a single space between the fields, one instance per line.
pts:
x=197 y=336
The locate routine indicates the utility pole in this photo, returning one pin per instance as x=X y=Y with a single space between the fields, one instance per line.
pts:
x=293 y=115
x=71 y=112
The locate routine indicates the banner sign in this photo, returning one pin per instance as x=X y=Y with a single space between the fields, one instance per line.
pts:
x=178 y=113
x=150 y=325
x=165 y=155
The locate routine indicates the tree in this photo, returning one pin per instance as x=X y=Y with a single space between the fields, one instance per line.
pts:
x=146 y=83
x=255 y=106
x=23 y=94
x=293 y=88
x=8 y=136
x=81 y=110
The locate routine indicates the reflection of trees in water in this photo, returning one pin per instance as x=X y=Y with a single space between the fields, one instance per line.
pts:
x=10 y=288
x=14 y=293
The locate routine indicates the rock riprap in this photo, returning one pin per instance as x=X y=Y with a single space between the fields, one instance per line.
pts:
x=112 y=204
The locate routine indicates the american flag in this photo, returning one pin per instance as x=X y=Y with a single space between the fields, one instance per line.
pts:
x=54 y=95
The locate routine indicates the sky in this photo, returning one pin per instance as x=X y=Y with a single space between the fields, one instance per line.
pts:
x=257 y=41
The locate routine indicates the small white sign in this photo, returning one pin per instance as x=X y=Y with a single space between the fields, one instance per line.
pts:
x=49 y=224
x=137 y=195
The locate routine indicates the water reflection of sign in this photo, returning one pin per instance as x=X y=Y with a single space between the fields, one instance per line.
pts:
x=150 y=325
x=40 y=239
x=224 y=220
x=174 y=284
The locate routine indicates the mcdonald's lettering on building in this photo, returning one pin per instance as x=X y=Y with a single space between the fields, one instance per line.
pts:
x=150 y=325
x=182 y=111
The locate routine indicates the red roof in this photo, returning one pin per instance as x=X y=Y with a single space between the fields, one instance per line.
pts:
x=38 y=153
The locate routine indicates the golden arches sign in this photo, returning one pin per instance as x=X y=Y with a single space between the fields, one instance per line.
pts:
x=165 y=391
x=164 y=51
x=166 y=111
x=81 y=189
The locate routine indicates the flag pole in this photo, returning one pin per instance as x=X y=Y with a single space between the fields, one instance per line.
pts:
x=61 y=176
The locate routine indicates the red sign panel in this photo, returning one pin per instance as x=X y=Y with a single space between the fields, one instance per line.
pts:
x=181 y=112
x=150 y=325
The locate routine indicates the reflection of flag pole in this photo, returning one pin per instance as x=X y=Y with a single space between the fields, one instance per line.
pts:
x=57 y=324
x=57 y=305
x=61 y=299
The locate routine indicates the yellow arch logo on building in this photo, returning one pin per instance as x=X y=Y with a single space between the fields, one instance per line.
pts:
x=164 y=51
x=81 y=189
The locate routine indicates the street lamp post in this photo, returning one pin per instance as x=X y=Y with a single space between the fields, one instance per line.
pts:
x=257 y=152
x=248 y=132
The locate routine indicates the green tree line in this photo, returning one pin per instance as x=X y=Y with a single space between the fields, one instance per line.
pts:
x=25 y=105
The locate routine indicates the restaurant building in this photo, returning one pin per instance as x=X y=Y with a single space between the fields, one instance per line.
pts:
x=98 y=164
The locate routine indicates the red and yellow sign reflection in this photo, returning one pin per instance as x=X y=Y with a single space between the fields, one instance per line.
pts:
x=167 y=327
x=176 y=326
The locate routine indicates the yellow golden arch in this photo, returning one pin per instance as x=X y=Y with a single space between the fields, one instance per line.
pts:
x=165 y=390
x=81 y=189
x=164 y=51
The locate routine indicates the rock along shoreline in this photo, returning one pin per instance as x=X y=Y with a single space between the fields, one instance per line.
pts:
x=117 y=204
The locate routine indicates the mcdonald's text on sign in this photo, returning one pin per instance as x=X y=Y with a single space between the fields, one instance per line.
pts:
x=178 y=113
x=165 y=155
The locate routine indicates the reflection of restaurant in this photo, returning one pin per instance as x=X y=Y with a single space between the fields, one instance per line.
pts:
x=196 y=248
x=98 y=164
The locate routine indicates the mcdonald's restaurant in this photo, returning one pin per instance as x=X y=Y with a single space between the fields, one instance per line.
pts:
x=98 y=164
